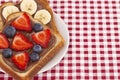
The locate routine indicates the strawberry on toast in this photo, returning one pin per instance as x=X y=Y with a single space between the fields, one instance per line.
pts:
x=4 y=43
x=25 y=20
x=21 y=60
x=20 y=42
x=29 y=38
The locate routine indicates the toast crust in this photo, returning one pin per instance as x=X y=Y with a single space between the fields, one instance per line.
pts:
x=46 y=58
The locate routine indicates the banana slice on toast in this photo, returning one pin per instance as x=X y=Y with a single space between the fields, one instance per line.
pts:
x=43 y=15
x=9 y=10
x=29 y=6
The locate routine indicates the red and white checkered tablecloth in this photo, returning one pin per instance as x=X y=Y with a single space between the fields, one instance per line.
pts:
x=94 y=50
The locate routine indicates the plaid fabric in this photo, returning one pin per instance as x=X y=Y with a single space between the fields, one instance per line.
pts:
x=94 y=50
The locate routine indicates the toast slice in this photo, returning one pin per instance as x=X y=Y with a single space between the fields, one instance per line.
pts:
x=55 y=44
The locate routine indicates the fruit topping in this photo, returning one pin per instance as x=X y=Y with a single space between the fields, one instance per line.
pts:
x=34 y=56
x=42 y=38
x=9 y=10
x=43 y=15
x=4 y=43
x=29 y=6
x=22 y=23
x=37 y=27
x=20 y=42
x=7 y=53
x=9 y=31
x=37 y=48
x=21 y=60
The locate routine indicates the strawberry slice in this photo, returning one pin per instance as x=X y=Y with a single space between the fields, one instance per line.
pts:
x=21 y=60
x=23 y=23
x=42 y=38
x=20 y=42
x=4 y=43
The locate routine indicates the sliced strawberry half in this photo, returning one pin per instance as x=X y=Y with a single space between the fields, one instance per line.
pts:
x=21 y=60
x=23 y=23
x=4 y=43
x=20 y=42
x=42 y=38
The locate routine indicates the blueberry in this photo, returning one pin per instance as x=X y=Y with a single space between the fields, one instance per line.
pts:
x=9 y=31
x=37 y=27
x=7 y=53
x=37 y=48
x=34 y=56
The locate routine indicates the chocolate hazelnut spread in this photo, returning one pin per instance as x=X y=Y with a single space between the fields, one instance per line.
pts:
x=30 y=64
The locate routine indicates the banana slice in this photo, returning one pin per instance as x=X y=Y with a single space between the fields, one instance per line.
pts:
x=29 y=6
x=9 y=10
x=43 y=15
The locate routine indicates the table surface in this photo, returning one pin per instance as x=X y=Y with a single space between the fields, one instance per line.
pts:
x=94 y=49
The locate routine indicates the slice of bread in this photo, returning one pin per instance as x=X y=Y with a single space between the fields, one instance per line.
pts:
x=35 y=68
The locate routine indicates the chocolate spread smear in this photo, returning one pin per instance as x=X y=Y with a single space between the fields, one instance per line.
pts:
x=28 y=35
